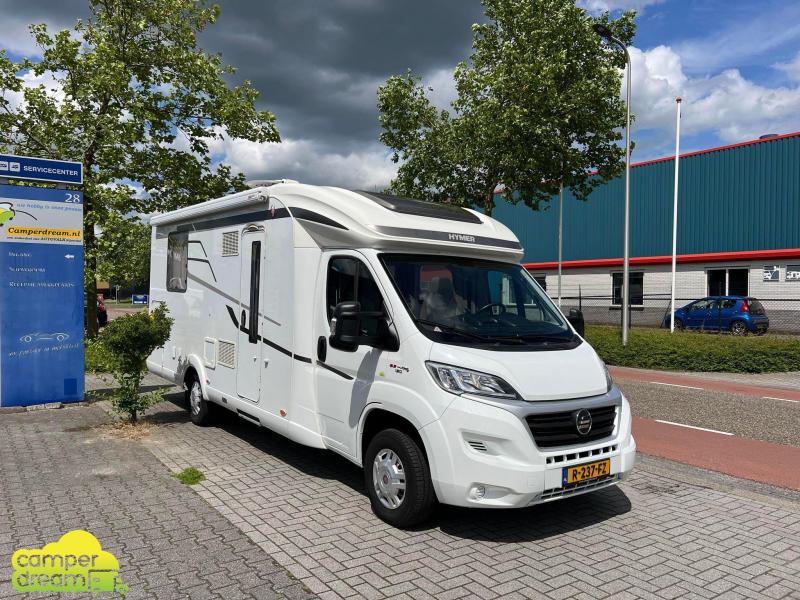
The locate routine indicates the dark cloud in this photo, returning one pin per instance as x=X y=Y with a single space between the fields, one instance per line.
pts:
x=317 y=63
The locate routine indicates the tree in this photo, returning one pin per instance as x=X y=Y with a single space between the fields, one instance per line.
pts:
x=137 y=102
x=538 y=106
x=123 y=251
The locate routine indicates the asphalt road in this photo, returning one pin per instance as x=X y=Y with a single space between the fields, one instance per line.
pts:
x=746 y=416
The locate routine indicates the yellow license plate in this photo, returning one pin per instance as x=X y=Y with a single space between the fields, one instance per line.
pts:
x=587 y=471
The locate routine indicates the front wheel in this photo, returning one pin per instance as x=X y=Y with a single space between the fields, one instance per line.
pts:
x=398 y=479
x=199 y=409
x=738 y=328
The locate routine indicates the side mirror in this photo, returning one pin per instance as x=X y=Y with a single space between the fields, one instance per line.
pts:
x=575 y=319
x=352 y=327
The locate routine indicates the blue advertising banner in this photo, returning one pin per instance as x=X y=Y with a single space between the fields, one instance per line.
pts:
x=41 y=295
x=41 y=169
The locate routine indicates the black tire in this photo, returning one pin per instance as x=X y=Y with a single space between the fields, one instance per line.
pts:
x=418 y=498
x=739 y=328
x=679 y=324
x=200 y=410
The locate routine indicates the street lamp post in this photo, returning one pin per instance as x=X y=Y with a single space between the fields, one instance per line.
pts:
x=675 y=213
x=605 y=33
x=560 y=236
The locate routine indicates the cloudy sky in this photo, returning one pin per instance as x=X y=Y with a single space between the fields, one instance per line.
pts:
x=318 y=64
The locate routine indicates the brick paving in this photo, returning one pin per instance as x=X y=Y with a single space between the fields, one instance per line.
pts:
x=671 y=531
x=58 y=474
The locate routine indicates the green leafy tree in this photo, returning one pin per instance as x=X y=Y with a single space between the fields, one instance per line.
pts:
x=128 y=341
x=137 y=102
x=123 y=251
x=538 y=105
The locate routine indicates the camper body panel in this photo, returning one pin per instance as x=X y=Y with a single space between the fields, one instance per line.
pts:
x=304 y=246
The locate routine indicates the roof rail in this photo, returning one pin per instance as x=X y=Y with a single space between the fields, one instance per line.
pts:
x=253 y=183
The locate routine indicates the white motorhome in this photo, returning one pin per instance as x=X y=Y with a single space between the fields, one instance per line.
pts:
x=401 y=334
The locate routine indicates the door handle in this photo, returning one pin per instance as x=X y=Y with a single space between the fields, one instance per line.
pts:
x=322 y=348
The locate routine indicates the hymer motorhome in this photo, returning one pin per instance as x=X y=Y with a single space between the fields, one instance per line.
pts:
x=402 y=334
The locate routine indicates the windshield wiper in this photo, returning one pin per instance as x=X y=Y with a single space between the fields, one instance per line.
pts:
x=451 y=329
x=467 y=334
x=547 y=339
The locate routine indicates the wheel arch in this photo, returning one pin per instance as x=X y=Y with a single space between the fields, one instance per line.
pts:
x=192 y=365
x=376 y=418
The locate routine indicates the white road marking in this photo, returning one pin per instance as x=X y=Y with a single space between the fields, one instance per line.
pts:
x=688 y=387
x=781 y=399
x=692 y=427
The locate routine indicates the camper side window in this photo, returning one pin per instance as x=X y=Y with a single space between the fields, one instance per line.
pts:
x=177 y=261
x=349 y=279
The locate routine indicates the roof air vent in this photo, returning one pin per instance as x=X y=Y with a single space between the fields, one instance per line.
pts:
x=254 y=183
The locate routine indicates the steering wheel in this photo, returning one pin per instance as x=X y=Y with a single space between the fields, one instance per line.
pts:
x=501 y=309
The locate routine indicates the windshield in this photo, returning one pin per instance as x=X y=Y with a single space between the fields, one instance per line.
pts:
x=470 y=301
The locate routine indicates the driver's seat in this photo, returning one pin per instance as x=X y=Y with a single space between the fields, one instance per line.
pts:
x=440 y=302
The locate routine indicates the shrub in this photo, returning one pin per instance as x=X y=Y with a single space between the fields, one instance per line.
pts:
x=96 y=357
x=128 y=341
x=694 y=351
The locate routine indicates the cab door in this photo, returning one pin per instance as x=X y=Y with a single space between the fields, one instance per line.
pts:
x=344 y=378
x=248 y=357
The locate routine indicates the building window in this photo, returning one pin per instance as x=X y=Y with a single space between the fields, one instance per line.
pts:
x=727 y=282
x=636 y=291
x=177 y=261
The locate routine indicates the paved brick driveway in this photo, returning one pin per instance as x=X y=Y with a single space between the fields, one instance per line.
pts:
x=669 y=532
x=57 y=474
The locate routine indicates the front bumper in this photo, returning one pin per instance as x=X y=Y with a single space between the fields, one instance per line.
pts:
x=482 y=455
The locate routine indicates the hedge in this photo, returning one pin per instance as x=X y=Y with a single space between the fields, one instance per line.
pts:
x=695 y=351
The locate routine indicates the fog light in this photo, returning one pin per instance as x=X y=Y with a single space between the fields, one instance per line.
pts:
x=480 y=491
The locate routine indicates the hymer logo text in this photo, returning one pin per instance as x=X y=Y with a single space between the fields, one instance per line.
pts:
x=460 y=237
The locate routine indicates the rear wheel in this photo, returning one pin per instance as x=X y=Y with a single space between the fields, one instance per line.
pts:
x=738 y=328
x=199 y=409
x=398 y=479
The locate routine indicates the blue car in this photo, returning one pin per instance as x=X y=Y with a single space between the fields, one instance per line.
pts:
x=738 y=314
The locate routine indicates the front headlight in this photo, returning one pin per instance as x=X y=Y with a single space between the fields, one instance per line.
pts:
x=609 y=381
x=466 y=381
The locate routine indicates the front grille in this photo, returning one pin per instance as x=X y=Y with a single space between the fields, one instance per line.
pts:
x=579 y=488
x=558 y=429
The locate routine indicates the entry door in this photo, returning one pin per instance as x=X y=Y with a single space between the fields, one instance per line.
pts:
x=344 y=378
x=248 y=362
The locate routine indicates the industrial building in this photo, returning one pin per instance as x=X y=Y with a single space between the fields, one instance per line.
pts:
x=738 y=234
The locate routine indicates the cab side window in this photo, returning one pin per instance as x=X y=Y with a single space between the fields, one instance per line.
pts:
x=348 y=280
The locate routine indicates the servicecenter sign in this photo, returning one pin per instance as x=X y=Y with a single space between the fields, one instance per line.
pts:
x=41 y=169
